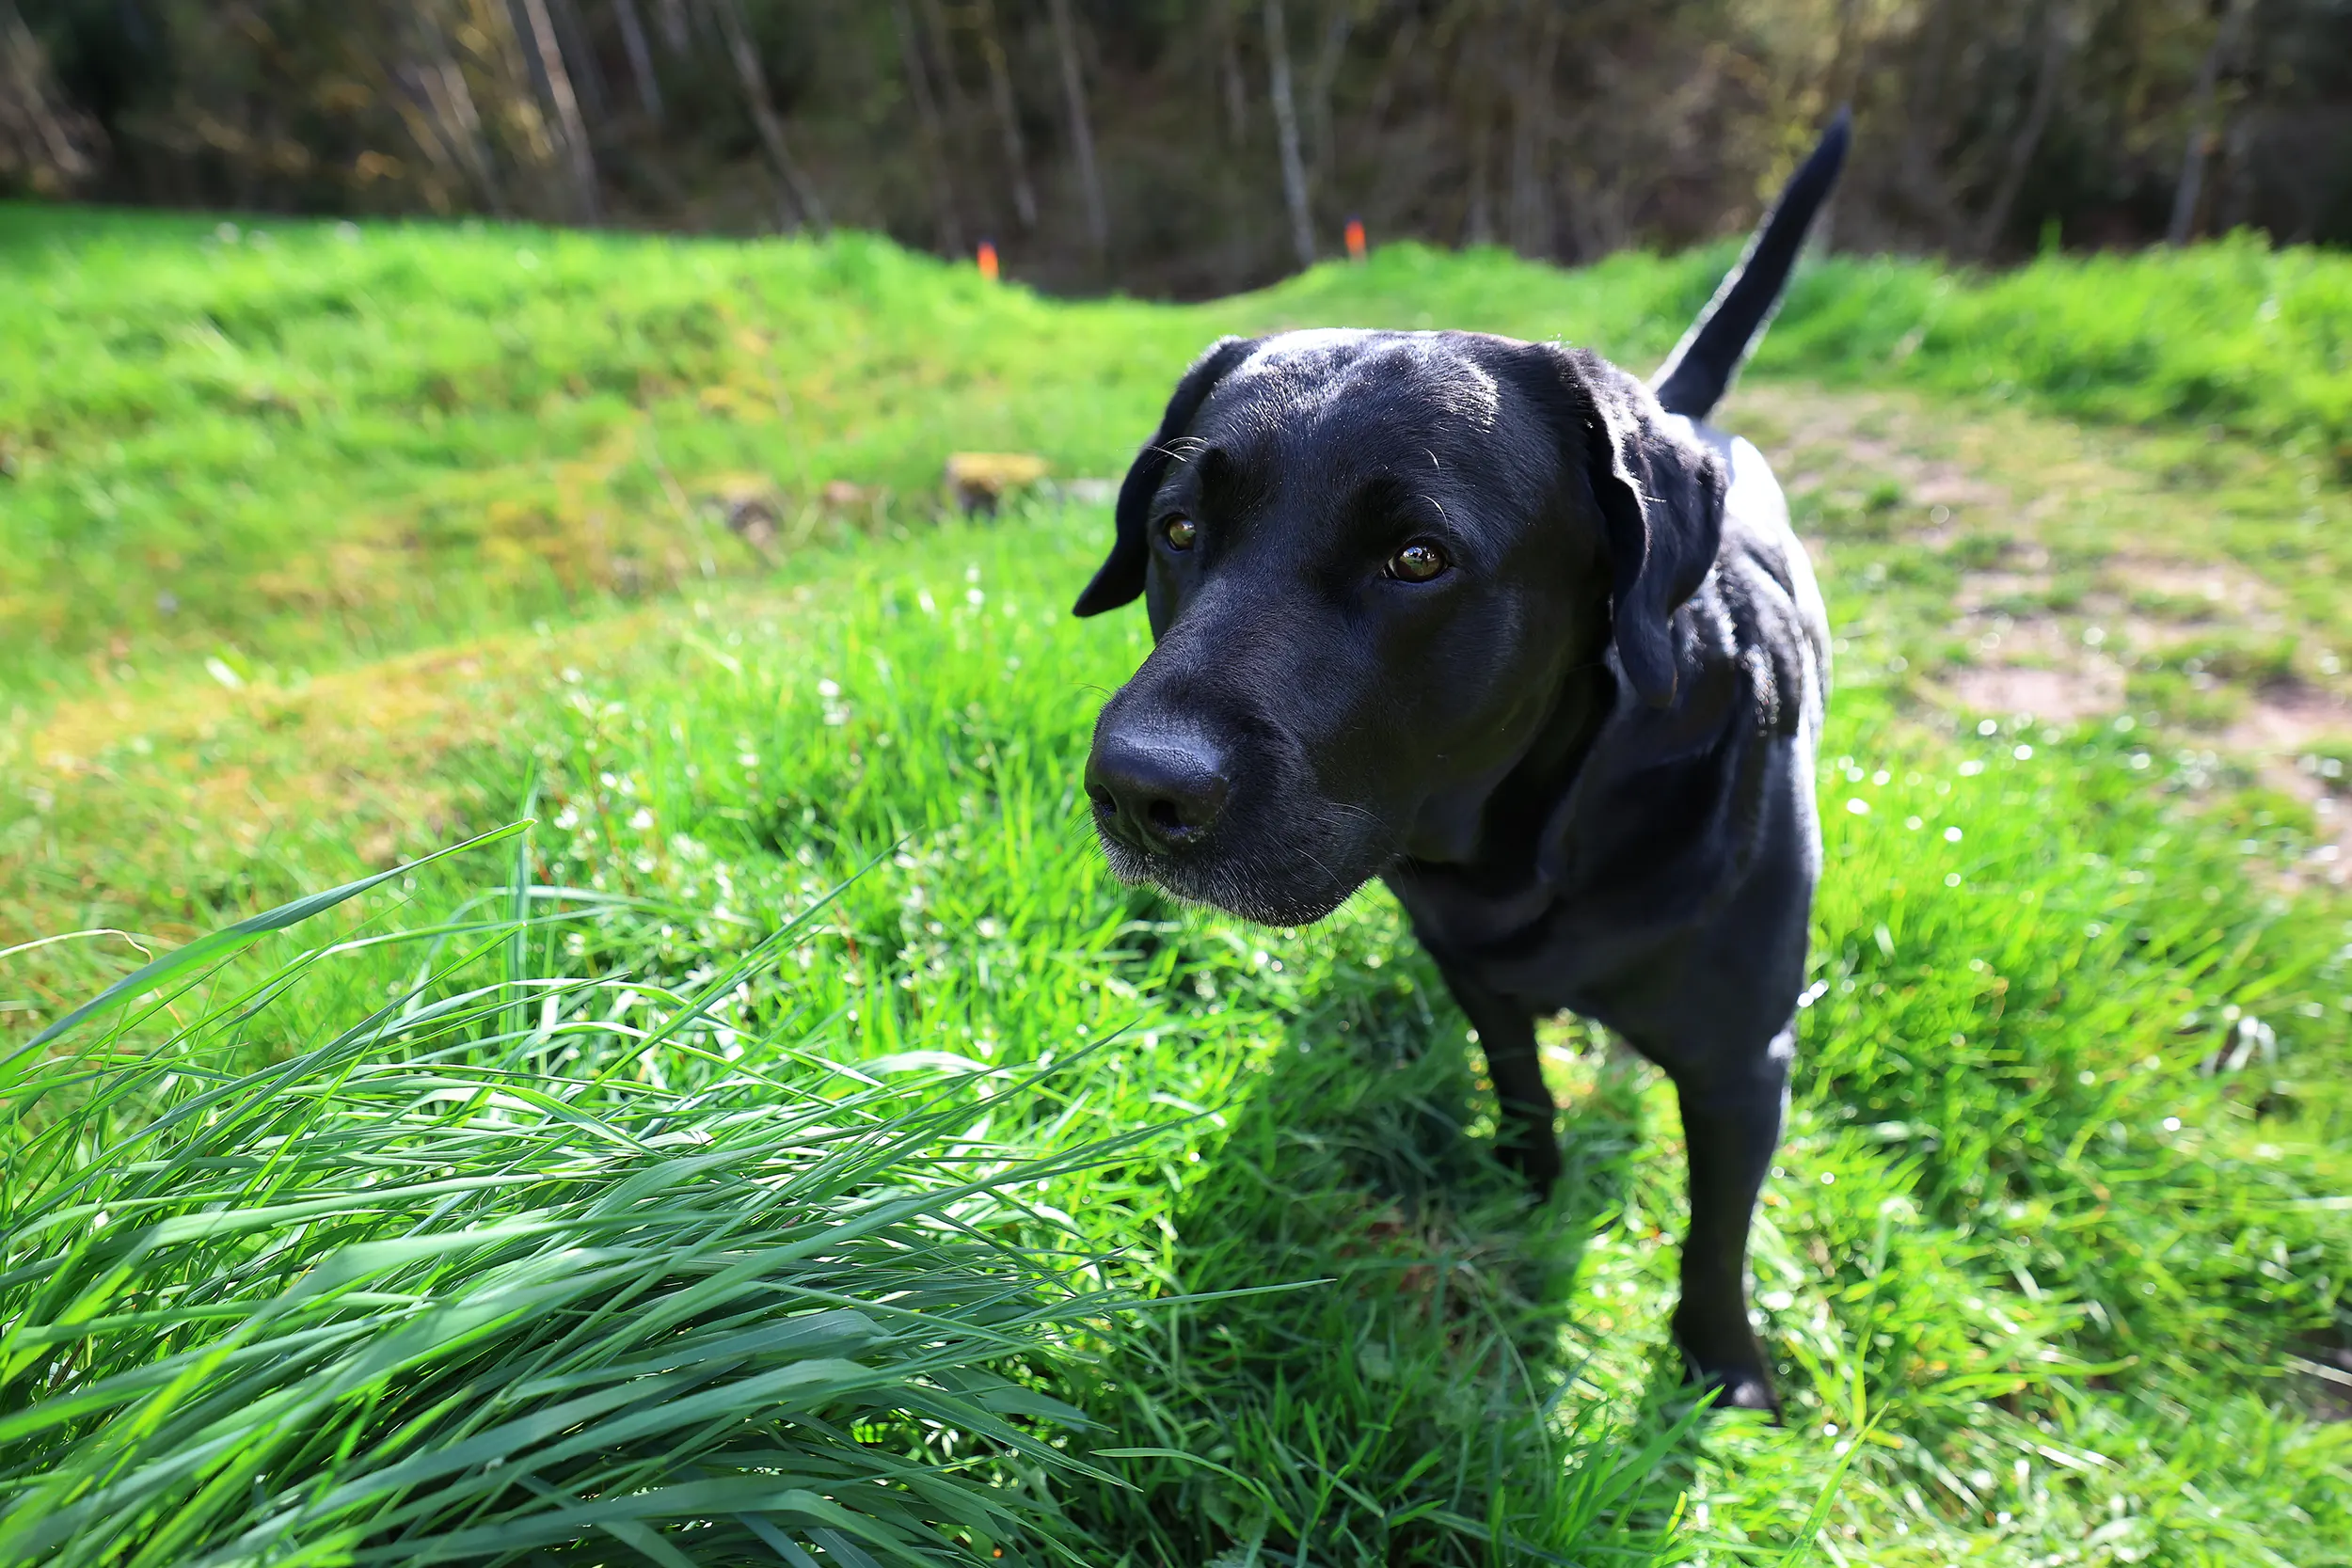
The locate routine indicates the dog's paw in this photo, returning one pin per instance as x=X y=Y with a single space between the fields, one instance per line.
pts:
x=1727 y=1363
x=1739 y=1388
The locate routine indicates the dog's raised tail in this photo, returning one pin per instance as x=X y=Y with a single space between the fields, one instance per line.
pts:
x=1697 y=373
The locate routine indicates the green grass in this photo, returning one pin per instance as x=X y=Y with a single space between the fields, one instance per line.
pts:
x=495 y=1270
x=319 y=438
x=2019 y=1234
x=2060 y=1227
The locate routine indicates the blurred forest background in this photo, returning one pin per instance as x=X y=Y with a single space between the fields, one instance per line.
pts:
x=1189 y=148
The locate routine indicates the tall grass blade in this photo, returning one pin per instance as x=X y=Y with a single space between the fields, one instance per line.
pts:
x=219 y=944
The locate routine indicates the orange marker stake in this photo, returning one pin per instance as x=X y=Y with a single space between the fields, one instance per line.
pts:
x=988 y=259
x=1356 y=239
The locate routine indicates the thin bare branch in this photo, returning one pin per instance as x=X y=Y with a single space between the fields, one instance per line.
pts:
x=1286 y=133
x=1008 y=114
x=799 y=191
x=640 y=58
x=951 y=230
x=573 y=130
x=1081 y=128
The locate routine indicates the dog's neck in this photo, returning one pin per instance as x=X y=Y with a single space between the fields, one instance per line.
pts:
x=1489 y=827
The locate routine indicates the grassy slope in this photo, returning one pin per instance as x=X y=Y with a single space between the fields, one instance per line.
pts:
x=2058 y=1315
x=323 y=440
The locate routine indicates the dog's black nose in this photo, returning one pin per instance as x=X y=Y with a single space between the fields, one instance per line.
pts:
x=1157 y=794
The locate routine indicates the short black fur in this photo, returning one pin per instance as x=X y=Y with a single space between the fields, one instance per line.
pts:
x=1122 y=576
x=1579 y=752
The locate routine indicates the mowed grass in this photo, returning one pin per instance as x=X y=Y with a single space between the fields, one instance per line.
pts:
x=2053 y=1260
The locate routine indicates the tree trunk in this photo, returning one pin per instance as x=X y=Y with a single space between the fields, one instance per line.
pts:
x=955 y=110
x=586 y=71
x=800 y=194
x=1531 y=135
x=1234 y=90
x=1081 y=130
x=1471 y=97
x=678 y=27
x=1924 y=131
x=948 y=230
x=1330 y=54
x=2057 y=44
x=39 y=132
x=640 y=58
x=1402 y=48
x=1286 y=133
x=444 y=82
x=2228 y=197
x=568 y=122
x=1478 y=223
x=1008 y=116
x=1845 y=70
x=2190 y=192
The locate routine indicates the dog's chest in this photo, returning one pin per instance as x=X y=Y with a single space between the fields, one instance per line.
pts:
x=1666 y=821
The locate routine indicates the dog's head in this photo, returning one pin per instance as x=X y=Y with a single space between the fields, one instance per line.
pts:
x=1372 y=561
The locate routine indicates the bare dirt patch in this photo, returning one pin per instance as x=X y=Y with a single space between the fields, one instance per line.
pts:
x=2053 y=696
x=2290 y=722
x=2149 y=590
x=1986 y=591
x=1817 y=438
x=2030 y=667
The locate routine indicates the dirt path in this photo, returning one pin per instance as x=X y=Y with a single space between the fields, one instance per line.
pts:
x=2032 y=570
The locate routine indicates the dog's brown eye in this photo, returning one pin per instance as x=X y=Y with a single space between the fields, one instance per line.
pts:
x=1417 y=563
x=1179 y=532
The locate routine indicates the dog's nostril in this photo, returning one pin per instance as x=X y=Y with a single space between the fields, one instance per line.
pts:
x=1155 y=794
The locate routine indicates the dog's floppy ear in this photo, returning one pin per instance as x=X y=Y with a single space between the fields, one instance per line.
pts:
x=1120 y=578
x=1660 y=496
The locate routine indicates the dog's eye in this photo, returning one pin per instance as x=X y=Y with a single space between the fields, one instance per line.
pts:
x=1417 y=563
x=1180 y=532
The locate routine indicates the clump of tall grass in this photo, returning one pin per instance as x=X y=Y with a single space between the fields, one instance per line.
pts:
x=520 y=1268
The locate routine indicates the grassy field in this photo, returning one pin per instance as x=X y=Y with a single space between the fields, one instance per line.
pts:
x=1056 y=1213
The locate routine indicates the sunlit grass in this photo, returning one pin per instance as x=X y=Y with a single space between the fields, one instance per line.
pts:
x=807 y=1004
x=2061 y=1220
x=278 y=447
x=518 y=1263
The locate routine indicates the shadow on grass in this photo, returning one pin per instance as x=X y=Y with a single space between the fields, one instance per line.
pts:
x=1413 y=1399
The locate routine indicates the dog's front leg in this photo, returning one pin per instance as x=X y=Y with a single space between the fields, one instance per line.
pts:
x=1526 y=1141
x=1730 y=1127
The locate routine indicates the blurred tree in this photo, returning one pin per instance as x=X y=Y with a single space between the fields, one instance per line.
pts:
x=1190 y=147
x=1286 y=133
x=46 y=145
x=1081 y=129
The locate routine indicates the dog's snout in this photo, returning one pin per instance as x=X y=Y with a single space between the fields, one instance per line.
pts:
x=1155 y=793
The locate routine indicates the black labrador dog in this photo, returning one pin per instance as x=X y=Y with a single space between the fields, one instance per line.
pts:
x=1498 y=625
